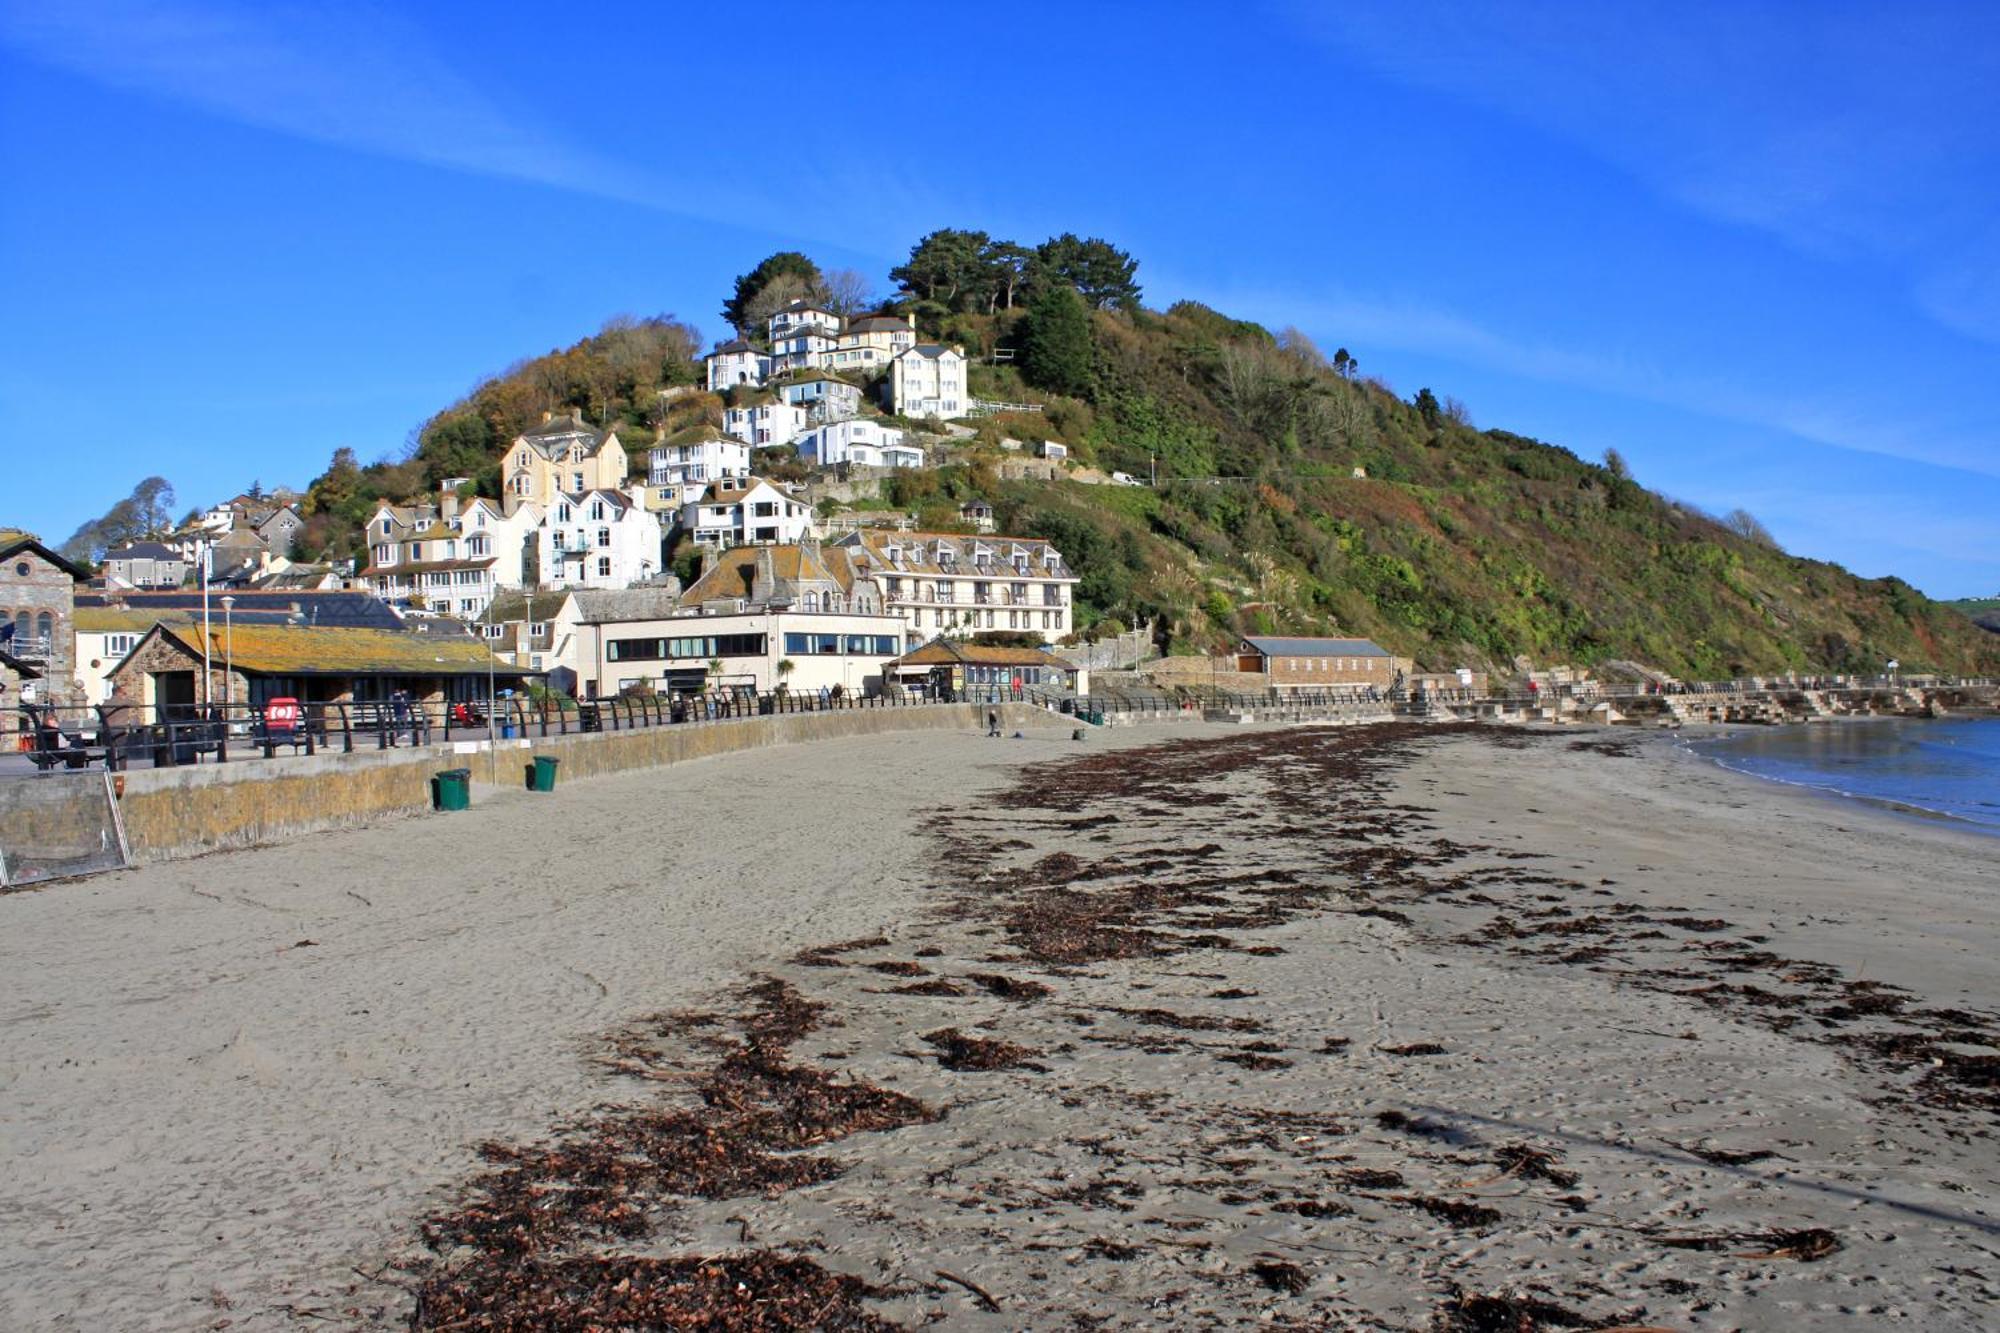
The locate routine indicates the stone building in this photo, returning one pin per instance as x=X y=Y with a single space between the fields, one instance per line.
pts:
x=38 y=608
x=256 y=663
x=1307 y=664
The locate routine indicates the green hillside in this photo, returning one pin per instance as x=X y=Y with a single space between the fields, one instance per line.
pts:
x=1292 y=494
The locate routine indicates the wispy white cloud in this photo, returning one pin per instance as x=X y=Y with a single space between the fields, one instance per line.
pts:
x=362 y=78
x=1848 y=131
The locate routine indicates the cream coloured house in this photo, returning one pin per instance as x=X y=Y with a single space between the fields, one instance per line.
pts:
x=869 y=341
x=562 y=456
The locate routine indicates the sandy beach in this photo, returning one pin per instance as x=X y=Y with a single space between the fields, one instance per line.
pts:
x=1190 y=1027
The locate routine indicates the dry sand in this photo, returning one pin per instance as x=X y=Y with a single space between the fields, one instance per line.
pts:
x=208 y=1119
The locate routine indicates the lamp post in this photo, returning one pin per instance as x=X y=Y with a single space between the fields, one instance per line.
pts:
x=228 y=656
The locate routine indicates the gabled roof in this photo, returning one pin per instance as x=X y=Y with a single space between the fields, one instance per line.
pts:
x=1271 y=647
x=799 y=307
x=950 y=652
x=734 y=345
x=296 y=650
x=143 y=551
x=13 y=541
x=879 y=323
x=931 y=351
x=760 y=573
x=731 y=490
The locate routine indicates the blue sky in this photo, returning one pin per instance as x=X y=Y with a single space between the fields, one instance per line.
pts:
x=1755 y=248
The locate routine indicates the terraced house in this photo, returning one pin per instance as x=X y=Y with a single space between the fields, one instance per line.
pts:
x=954 y=583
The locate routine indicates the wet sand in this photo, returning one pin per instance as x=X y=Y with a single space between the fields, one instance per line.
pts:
x=1368 y=1028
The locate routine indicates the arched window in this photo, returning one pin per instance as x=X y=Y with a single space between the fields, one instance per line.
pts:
x=23 y=626
x=45 y=629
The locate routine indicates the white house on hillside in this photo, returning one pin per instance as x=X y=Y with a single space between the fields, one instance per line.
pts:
x=929 y=381
x=827 y=397
x=766 y=423
x=599 y=539
x=861 y=442
x=803 y=315
x=804 y=348
x=676 y=474
x=746 y=512
x=736 y=363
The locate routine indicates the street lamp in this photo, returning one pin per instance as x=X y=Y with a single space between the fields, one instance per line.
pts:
x=228 y=655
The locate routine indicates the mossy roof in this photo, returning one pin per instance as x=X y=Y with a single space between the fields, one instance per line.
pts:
x=294 y=650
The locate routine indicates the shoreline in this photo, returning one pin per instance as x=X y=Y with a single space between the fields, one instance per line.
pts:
x=1222 y=1006
x=1899 y=809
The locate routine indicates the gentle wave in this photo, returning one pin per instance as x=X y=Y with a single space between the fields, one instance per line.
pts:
x=1936 y=770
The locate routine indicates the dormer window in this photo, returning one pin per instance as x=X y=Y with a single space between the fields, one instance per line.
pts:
x=597 y=511
x=562 y=513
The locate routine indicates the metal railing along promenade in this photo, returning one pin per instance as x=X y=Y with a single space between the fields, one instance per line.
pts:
x=116 y=737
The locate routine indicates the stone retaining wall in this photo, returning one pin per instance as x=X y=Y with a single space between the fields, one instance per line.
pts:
x=178 y=812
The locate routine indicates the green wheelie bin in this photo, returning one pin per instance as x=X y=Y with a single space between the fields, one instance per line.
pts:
x=542 y=777
x=451 y=789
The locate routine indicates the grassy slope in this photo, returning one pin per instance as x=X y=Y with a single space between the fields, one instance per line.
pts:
x=1458 y=547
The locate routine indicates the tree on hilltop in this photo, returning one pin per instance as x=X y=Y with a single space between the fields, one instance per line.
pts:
x=945 y=266
x=775 y=283
x=146 y=512
x=1102 y=274
x=1006 y=270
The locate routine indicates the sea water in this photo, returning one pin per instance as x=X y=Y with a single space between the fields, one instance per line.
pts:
x=1948 y=768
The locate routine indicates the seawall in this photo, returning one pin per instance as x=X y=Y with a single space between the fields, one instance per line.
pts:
x=189 y=811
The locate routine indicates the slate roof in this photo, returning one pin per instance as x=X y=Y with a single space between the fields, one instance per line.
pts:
x=144 y=551
x=947 y=652
x=919 y=554
x=515 y=604
x=772 y=572
x=932 y=351
x=607 y=605
x=879 y=323
x=1317 y=647
x=325 y=607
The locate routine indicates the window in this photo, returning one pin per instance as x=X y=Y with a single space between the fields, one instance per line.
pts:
x=562 y=513
x=416 y=550
x=604 y=567
x=576 y=482
x=597 y=511
x=604 y=536
x=117 y=645
x=539 y=630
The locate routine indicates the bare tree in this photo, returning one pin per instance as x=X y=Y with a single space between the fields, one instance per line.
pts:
x=849 y=293
x=1747 y=526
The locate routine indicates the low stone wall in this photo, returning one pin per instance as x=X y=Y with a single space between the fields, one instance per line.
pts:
x=178 y=812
